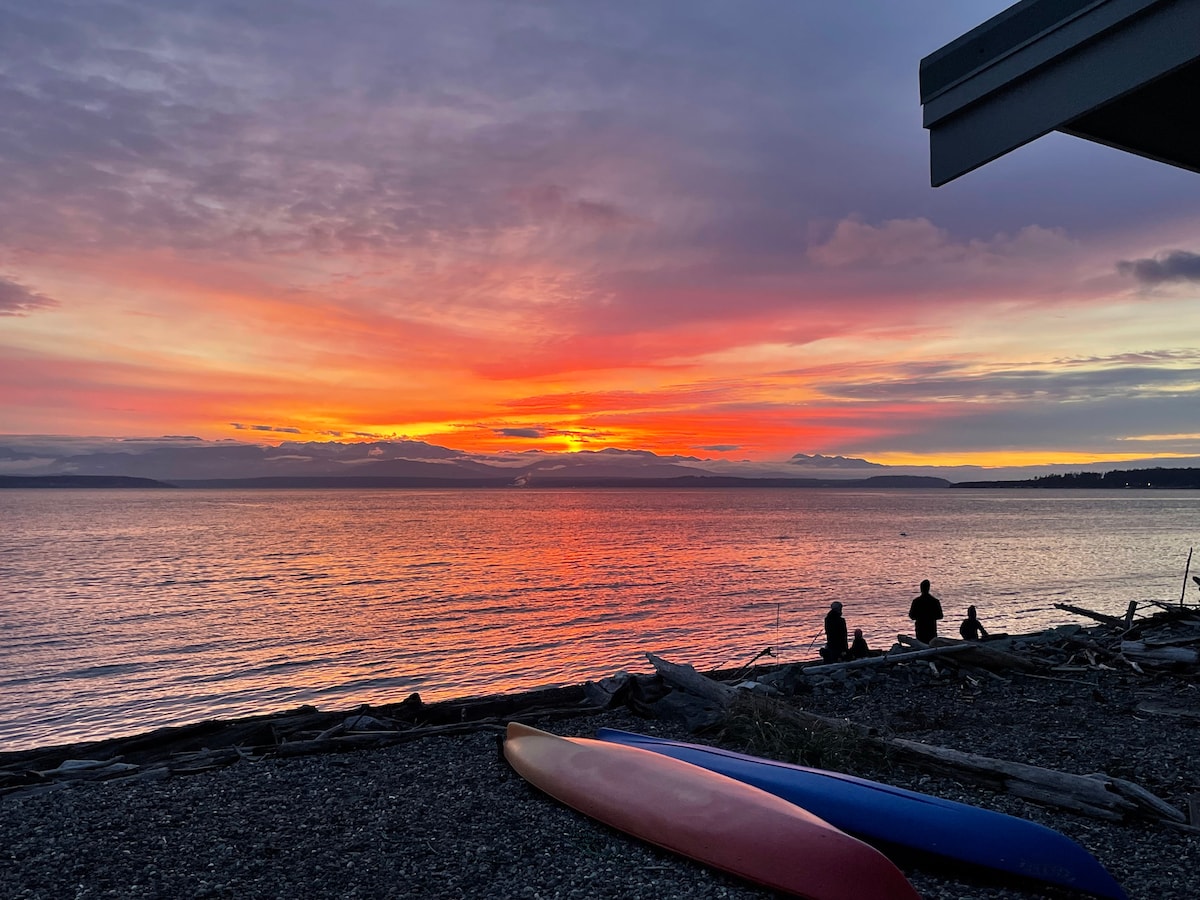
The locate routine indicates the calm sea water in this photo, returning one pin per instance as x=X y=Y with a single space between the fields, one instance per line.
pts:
x=122 y=611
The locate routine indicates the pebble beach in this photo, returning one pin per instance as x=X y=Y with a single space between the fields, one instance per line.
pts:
x=444 y=816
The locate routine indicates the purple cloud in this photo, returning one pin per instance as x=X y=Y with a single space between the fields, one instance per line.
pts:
x=520 y=432
x=1174 y=265
x=280 y=429
x=18 y=300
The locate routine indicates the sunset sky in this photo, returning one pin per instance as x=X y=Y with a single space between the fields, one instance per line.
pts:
x=697 y=227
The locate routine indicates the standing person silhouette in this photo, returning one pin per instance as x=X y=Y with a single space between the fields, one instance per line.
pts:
x=925 y=611
x=971 y=628
x=836 y=647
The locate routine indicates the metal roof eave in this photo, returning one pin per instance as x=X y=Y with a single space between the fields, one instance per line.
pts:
x=1042 y=65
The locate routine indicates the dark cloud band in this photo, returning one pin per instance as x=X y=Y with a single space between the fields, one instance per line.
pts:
x=1174 y=265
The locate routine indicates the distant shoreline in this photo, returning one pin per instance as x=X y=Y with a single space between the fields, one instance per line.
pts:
x=1131 y=479
x=361 y=482
x=1118 y=479
x=79 y=481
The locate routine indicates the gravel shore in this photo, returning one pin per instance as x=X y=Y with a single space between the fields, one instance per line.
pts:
x=445 y=817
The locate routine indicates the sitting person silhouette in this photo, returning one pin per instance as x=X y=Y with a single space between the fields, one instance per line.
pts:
x=859 y=648
x=971 y=628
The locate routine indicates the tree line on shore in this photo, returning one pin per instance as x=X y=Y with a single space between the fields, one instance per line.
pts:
x=1118 y=479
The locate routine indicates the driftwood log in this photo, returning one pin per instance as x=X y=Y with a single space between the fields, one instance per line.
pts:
x=1115 y=621
x=1100 y=796
x=886 y=659
x=1159 y=655
x=988 y=660
x=1162 y=709
x=190 y=749
x=964 y=652
x=984 y=656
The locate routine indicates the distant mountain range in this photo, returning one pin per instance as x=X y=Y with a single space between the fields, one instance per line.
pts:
x=566 y=481
x=192 y=462
x=212 y=463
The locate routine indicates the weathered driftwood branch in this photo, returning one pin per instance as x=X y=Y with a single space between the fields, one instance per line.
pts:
x=687 y=679
x=333 y=732
x=1057 y=678
x=989 y=661
x=986 y=657
x=886 y=660
x=1143 y=797
x=1183 y=611
x=1140 y=651
x=1090 y=645
x=1162 y=709
x=1182 y=640
x=173 y=751
x=1096 y=795
x=88 y=769
x=1115 y=621
x=376 y=738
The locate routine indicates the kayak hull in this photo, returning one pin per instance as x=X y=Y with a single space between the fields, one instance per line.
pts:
x=718 y=821
x=894 y=818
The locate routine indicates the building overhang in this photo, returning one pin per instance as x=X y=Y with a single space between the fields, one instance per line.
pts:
x=1124 y=73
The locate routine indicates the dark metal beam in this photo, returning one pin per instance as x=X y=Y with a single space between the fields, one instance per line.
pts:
x=1120 y=72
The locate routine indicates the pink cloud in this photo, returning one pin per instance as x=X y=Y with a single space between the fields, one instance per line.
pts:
x=18 y=300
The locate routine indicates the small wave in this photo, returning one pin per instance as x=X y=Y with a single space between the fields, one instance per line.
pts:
x=102 y=671
x=389 y=681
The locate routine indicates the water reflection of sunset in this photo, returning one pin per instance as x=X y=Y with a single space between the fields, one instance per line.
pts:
x=176 y=606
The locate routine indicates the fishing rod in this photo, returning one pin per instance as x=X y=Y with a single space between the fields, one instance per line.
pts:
x=746 y=668
x=1186 y=569
x=813 y=642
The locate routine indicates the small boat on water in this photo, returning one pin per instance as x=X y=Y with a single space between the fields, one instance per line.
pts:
x=902 y=821
x=718 y=821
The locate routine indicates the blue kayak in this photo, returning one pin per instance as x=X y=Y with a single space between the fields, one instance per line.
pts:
x=895 y=819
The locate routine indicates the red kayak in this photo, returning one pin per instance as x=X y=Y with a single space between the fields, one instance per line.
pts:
x=708 y=817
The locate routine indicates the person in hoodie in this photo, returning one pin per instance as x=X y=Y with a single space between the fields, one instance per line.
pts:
x=837 y=647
